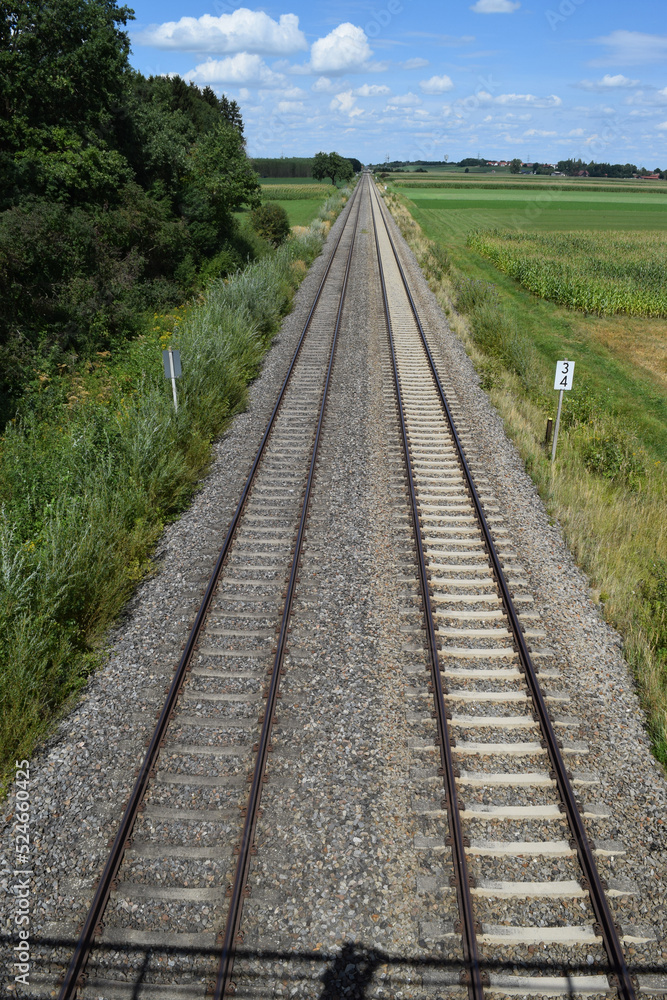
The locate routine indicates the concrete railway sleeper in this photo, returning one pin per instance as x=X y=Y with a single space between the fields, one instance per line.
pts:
x=369 y=644
x=168 y=856
x=485 y=684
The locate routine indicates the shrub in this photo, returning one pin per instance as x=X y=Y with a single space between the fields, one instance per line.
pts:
x=271 y=222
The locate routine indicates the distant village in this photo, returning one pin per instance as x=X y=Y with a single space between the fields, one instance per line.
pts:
x=529 y=168
x=564 y=168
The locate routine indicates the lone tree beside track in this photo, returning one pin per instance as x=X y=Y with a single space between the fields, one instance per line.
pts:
x=332 y=165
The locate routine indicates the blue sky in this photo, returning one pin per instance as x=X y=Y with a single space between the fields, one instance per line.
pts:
x=543 y=80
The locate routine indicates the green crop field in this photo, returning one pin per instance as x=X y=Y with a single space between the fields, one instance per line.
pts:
x=602 y=272
x=300 y=197
x=280 y=181
x=621 y=359
x=300 y=212
x=450 y=215
x=295 y=192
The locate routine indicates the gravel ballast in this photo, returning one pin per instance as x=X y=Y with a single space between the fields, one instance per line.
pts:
x=350 y=887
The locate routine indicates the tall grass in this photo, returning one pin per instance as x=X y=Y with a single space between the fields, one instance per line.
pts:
x=608 y=494
x=99 y=461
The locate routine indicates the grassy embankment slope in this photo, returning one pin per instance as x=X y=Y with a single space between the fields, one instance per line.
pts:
x=301 y=197
x=98 y=461
x=608 y=486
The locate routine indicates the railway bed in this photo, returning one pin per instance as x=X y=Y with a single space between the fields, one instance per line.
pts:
x=422 y=829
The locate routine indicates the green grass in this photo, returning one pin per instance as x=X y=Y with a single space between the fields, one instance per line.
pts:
x=631 y=394
x=301 y=198
x=300 y=212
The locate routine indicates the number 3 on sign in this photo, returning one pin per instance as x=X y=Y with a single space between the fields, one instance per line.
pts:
x=564 y=374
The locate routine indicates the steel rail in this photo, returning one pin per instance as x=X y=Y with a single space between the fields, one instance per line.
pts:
x=95 y=914
x=224 y=985
x=580 y=841
x=472 y=974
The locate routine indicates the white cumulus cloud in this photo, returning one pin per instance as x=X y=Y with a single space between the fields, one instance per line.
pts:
x=345 y=48
x=520 y=100
x=242 y=31
x=243 y=69
x=662 y=126
x=290 y=107
x=409 y=100
x=372 y=90
x=495 y=6
x=609 y=82
x=323 y=85
x=345 y=103
x=437 y=84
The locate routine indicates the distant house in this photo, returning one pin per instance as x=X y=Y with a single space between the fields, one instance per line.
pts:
x=649 y=177
x=558 y=173
x=583 y=173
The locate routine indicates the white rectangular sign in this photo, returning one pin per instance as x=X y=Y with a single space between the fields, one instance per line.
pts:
x=564 y=374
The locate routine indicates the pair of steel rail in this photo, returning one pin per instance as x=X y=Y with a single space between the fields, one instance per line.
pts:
x=580 y=842
x=93 y=920
x=472 y=973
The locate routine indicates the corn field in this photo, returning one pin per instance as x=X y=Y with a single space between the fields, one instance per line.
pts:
x=295 y=192
x=597 y=272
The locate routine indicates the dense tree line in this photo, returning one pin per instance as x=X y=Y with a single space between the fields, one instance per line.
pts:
x=283 y=166
x=574 y=167
x=296 y=166
x=117 y=191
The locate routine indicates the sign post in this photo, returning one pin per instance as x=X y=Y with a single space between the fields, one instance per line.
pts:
x=563 y=381
x=171 y=359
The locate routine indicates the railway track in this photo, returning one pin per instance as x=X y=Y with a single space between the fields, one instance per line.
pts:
x=525 y=912
x=502 y=757
x=187 y=823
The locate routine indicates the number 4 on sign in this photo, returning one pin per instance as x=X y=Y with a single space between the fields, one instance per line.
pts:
x=564 y=375
x=563 y=381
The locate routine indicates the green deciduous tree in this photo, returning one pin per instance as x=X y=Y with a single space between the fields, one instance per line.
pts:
x=515 y=166
x=117 y=191
x=332 y=165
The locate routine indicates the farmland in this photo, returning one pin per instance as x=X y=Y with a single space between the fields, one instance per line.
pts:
x=600 y=272
x=300 y=197
x=608 y=487
x=622 y=359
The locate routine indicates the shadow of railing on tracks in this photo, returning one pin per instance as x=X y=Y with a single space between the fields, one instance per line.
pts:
x=346 y=974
